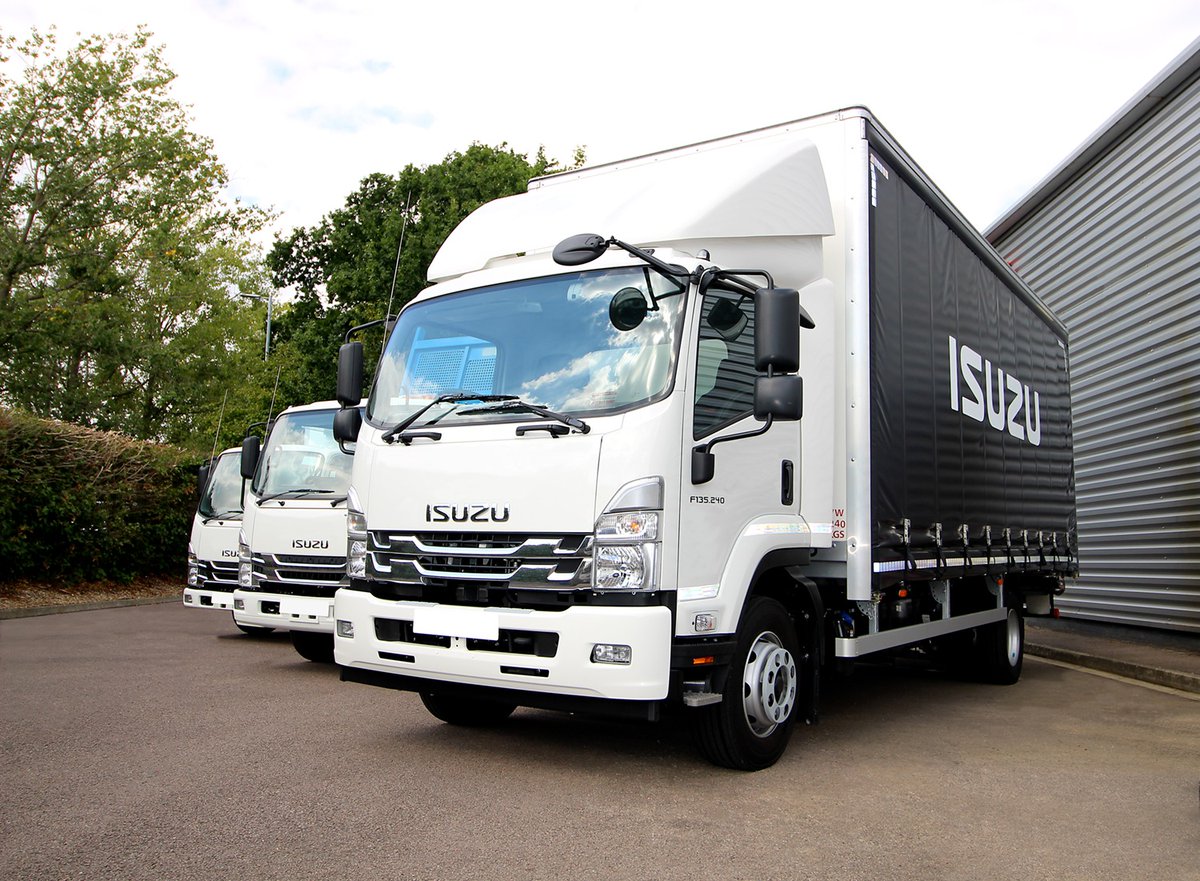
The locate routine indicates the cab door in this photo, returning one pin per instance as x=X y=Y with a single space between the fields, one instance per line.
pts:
x=755 y=488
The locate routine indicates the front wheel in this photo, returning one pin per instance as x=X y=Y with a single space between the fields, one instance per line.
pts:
x=469 y=712
x=749 y=729
x=315 y=647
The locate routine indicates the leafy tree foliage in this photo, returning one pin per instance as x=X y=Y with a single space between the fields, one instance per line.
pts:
x=119 y=260
x=343 y=268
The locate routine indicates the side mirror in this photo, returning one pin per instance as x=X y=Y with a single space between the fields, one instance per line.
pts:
x=580 y=249
x=250 y=450
x=777 y=330
x=627 y=309
x=202 y=480
x=704 y=465
x=350 y=374
x=779 y=396
x=346 y=424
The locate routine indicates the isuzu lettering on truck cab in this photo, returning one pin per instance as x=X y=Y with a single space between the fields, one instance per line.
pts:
x=682 y=430
x=292 y=550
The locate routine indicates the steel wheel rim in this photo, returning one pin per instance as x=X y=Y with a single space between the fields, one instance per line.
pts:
x=768 y=685
x=1013 y=633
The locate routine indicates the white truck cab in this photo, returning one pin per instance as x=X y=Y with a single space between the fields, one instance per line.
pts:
x=292 y=548
x=213 y=545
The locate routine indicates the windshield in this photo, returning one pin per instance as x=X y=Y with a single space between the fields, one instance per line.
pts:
x=301 y=455
x=223 y=495
x=588 y=343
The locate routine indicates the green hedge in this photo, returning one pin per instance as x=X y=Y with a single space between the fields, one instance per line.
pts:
x=82 y=505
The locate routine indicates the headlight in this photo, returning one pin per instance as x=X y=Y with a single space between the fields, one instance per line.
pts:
x=245 y=563
x=193 y=578
x=625 y=567
x=356 y=538
x=625 y=555
x=628 y=526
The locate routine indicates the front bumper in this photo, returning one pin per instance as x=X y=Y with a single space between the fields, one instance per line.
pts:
x=201 y=598
x=284 y=611
x=391 y=648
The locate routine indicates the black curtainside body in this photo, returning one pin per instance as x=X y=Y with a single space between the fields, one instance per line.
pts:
x=971 y=453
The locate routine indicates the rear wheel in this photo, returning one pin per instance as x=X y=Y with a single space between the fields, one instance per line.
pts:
x=472 y=712
x=749 y=729
x=1000 y=650
x=316 y=647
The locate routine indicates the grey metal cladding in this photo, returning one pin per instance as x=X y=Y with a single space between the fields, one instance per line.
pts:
x=1116 y=254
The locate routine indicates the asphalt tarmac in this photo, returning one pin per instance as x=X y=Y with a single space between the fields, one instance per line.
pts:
x=157 y=742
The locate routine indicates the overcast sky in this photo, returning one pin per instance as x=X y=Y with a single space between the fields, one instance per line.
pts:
x=303 y=98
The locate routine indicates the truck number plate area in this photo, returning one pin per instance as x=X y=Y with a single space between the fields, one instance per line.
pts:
x=452 y=621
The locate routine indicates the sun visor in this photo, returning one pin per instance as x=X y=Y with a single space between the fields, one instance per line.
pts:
x=744 y=189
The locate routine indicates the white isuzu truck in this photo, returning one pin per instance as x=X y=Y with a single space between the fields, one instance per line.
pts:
x=213 y=545
x=687 y=429
x=292 y=548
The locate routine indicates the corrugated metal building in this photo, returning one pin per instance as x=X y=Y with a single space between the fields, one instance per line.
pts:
x=1111 y=241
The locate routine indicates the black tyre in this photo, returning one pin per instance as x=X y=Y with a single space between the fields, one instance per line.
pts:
x=251 y=630
x=749 y=729
x=470 y=712
x=1000 y=650
x=316 y=647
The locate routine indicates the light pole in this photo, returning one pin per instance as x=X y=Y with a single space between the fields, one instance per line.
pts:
x=270 y=299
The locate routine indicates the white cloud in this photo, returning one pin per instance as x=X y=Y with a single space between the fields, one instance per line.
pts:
x=305 y=98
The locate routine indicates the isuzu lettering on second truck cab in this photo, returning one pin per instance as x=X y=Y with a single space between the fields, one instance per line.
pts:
x=689 y=427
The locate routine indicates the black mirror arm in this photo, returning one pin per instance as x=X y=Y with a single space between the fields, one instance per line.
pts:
x=763 y=429
x=665 y=268
x=703 y=461
x=359 y=327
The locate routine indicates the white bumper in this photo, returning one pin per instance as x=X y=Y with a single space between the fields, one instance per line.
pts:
x=195 y=598
x=647 y=630
x=283 y=611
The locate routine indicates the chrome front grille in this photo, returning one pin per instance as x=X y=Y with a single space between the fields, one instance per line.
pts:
x=554 y=562
x=299 y=575
x=218 y=574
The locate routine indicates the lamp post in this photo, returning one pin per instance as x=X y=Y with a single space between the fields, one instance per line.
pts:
x=270 y=299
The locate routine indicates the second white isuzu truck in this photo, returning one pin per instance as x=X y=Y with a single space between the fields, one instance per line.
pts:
x=684 y=429
x=292 y=549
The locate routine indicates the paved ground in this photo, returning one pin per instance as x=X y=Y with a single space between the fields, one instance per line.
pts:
x=158 y=742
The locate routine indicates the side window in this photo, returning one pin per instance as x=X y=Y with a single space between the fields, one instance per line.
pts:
x=724 y=362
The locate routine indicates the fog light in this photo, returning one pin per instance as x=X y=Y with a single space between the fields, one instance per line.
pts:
x=345 y=629
x=188 y=598
x=605 y=653
x=239 y=604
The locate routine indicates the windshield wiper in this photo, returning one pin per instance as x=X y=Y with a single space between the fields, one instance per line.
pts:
x=299 y=489
x=515 y=403
x=391 y=434
x=224 y=515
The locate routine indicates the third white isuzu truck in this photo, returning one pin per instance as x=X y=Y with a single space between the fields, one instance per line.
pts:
x=292 y=550
x=684 y=429
x=213 y=545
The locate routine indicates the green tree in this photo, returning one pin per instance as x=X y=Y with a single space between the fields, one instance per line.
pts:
x=120 y=260
x=343 y=268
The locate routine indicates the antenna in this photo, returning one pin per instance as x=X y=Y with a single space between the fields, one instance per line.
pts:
x=271 y=409
x=217 y=434
x=395 y=271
